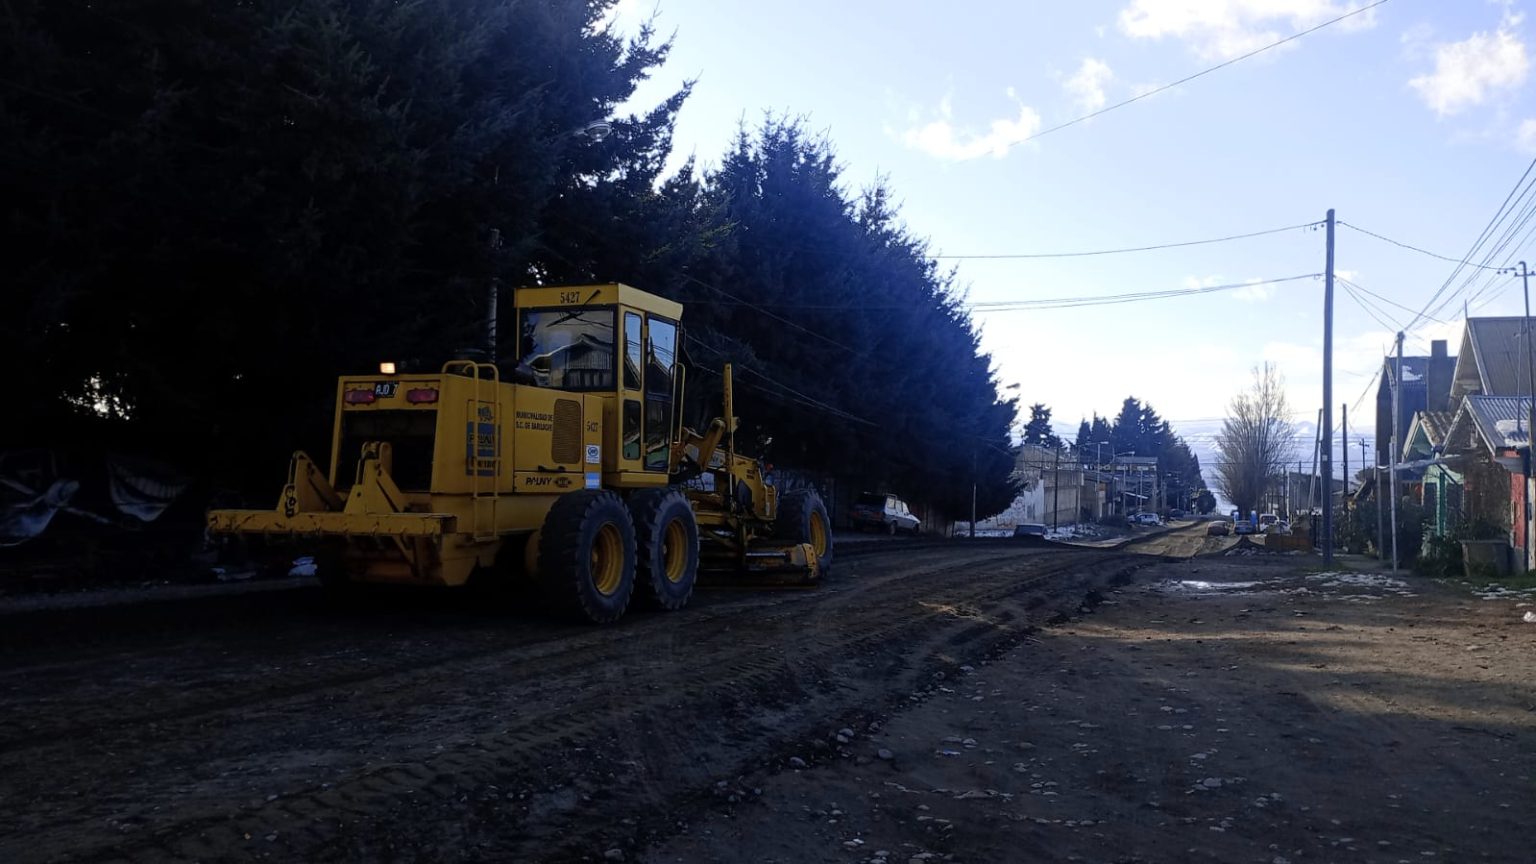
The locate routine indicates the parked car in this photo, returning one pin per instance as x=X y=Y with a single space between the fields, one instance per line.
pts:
x=1146 y=519
x=1175 y=514
x=1219 y=528
x=1029 y=529
x=1267 y=521
x=1243 y=526
x=876 y=512
x=1281 y=527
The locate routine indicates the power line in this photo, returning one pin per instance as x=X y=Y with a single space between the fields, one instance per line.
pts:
x=1025 y=304
x=1368 y=309
x=1368 y=385
x=1028 y=255
x=1477 y=244
x=1115 y=299
x=1505 y=240
x=1358 y=287
x=1188 y=78
x=793 y=395
x=1504 y=266
x=1411 y=247
x=778 y=318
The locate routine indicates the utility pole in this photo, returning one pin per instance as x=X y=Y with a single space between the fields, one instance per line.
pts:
x=1530 y=418
x=490 y=306
x=1530 y=426
x=1316 y=453
x=1056 y=494
x=973 y=491
x=1344 y=448
x=1327 y=452
x=1381 y=531
x=1397 y=386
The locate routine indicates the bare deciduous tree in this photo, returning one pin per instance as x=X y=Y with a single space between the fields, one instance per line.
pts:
x=1256 y=441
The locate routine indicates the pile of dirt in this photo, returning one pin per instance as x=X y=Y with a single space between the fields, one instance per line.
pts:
x=1246 y=547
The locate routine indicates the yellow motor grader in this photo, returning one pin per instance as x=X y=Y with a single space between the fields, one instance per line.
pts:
x=577 y=473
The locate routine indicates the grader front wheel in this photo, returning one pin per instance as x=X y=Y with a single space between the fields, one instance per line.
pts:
x=803 y=519
x=667 y=544
x=587 y=556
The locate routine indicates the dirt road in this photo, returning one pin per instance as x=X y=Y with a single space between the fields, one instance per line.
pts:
x=269 y=726
x=1176 y=722
x=1223 y=709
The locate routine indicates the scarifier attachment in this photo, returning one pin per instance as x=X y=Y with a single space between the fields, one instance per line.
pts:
x=793 y=566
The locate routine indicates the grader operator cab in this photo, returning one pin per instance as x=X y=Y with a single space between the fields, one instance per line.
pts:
x=577 y=473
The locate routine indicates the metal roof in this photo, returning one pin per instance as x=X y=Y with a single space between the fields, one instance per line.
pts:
x=1434 y=425
x=1500 y=421
x=1500 y=359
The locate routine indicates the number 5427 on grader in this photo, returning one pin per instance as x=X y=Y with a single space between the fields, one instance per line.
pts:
x=576 y=473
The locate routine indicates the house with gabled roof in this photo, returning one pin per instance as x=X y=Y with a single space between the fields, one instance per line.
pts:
x=1466 y=459
x=1425 y=385
x=1487 y=440
x=1439 y=483
x=1491 y=361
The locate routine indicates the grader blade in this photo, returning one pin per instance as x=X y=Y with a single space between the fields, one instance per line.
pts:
x=792 y=566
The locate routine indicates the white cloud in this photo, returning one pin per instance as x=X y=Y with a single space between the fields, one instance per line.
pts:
x=623 y=16
x=942 y=139
x=1223 y=29
x=1086 y=86
x=1525 y=138
x=1254 y=293
x=1468 y=72
x=1251 y=292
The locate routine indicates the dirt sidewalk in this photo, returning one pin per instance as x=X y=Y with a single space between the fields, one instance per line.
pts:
x=1231 y=709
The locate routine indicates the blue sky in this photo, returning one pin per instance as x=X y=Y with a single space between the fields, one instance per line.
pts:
x=1413 y=120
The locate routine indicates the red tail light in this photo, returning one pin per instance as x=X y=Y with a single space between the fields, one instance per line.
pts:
x=360 y=397
x=421 y=395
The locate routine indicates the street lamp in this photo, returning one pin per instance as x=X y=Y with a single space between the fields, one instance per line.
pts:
x=1123 y=491
x=595 y=131
x=1098 y=470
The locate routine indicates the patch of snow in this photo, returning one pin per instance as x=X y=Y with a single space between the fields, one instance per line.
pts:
x=1377 y=581
x=1511 y=431
x=1494 y=591
x=1070 y=532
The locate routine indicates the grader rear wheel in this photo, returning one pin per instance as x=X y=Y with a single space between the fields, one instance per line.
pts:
x=587 y=556
x=803 y=519
x=667 y=546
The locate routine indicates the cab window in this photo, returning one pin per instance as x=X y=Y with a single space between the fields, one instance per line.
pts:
x=567 y=349
x=661 y=362
x=633 y=348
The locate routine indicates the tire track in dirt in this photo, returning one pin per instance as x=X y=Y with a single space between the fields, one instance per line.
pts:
x=539 y=638
x=873 y=636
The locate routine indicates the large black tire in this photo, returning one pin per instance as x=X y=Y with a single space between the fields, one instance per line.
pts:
x=666 y=548
x=890 y=528
x=587 y=556
x=803 y=519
